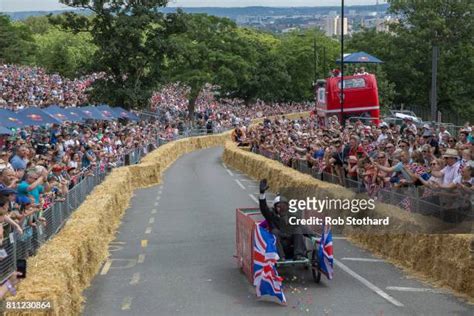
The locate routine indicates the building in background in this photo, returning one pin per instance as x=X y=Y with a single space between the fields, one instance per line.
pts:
x=333 y=26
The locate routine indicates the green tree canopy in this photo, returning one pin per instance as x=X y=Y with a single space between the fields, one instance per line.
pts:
x=407 y=52
x=68 y=54
x=16 y=42
x=131 y=40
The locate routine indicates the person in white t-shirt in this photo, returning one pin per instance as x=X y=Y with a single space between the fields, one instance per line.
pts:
x=451 y=170
x=383 y=135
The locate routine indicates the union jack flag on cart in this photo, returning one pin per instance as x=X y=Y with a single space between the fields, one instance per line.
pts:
x=266 y=279
x=325 y=253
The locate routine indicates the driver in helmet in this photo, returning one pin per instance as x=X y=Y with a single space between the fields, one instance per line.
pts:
x=290 y=241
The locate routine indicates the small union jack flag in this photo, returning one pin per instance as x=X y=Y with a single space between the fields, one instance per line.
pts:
x=406 y=204
x=326 y=253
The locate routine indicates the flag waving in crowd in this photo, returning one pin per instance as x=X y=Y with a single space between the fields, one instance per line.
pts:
x=325 y=253
x=266 y=278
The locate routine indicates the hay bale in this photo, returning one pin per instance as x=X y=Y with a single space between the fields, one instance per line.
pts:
x=446 y=260
x=66 y=264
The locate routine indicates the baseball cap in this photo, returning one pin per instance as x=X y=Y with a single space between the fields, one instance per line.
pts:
x=280 y=199
x=7 y=191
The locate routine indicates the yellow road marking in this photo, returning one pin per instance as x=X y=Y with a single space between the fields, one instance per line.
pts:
x=144 y=243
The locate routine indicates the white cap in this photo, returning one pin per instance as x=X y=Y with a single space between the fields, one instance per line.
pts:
x=279 y=199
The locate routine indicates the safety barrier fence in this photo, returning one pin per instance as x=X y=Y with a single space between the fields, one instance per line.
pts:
x=20 y=246
x=16 y=246
x=451 y=205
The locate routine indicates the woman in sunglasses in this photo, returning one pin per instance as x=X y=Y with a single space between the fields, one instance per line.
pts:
x=452 y=142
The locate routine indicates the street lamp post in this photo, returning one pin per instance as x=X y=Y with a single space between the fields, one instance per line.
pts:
x=342 y=63
x=315 y=56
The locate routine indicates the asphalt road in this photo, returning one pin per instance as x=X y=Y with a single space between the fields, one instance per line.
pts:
x=174 y=255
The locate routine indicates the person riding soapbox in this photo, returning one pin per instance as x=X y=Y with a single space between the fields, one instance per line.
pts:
x=290 y=238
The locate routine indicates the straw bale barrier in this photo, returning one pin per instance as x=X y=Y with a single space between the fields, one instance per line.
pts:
x=445 y=260
x=66 y=264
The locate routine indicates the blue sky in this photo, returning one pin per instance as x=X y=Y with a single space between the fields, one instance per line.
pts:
x=39 y=5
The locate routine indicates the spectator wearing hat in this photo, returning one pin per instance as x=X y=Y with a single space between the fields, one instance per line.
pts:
x=4 y=210
x=429 y=138
x=443 y=133
x=11 y=195
x=383 y=133
x=451 y=169
x=5 y=160
x=410 y=126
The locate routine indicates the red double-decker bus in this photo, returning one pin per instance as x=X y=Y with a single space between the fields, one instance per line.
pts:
x=361 y=98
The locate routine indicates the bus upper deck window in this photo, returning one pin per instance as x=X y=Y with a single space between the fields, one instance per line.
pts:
x=353 y=83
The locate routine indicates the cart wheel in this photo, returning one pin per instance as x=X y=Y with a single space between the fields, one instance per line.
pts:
x=315 y=268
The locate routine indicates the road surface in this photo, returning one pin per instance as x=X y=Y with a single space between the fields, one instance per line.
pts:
x=174 y=255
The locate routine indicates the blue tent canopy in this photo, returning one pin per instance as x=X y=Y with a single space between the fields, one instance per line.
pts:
x=360 y=58
x=93 y=113
x=75 y=114
x=10 y=119
x=5 y=131
x=122 y=113
x=60 y=114
x=107 y=111
x=36 y=117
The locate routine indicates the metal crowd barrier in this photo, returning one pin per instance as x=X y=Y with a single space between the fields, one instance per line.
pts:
x=22 y=246
x=19 y=246
x=450 y=205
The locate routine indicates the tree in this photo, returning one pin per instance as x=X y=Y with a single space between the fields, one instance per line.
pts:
x=16 y=42
x=406 y=52
x=68 y=54
x=381 y=45
x=131 y=38
x=210 y=51
x=297 y=50
x=37 y=24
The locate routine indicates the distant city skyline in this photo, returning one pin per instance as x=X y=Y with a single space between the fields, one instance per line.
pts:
x=48 y=5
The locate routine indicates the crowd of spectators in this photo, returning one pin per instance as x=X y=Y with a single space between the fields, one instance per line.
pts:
x=387 y=157
x=40 y=165
x=24 y=86
x=171 y=104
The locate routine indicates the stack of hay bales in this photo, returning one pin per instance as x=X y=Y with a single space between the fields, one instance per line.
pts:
x=447 y=259
x=66 y=264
